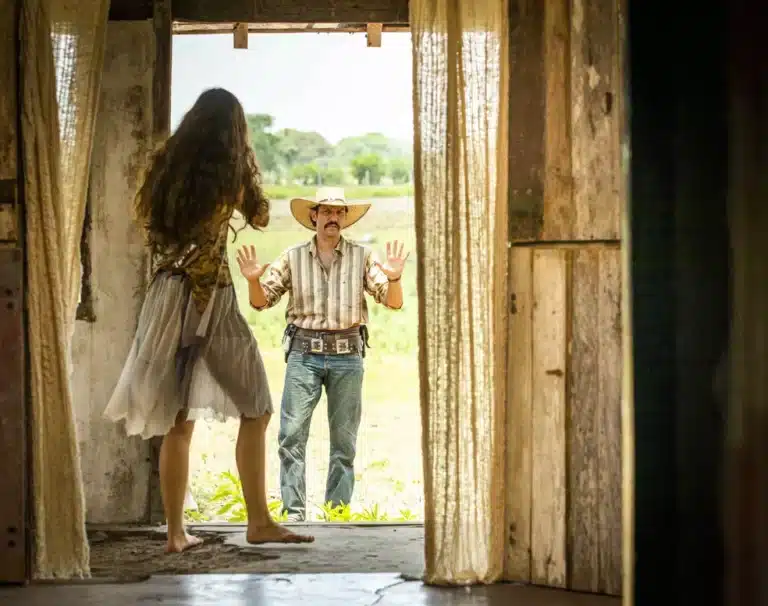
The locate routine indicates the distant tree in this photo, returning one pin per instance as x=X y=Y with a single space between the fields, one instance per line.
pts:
x=306 y=174
x=400 y=170
x=332 y=175
x=307 y=157
x=264 y=143
x=301 y=147
x=368 y=169
x=351 y=147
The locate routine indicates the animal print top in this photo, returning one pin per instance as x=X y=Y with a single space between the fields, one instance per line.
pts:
x=204 y=263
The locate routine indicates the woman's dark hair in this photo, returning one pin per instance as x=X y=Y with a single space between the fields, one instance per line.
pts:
x=202 y=172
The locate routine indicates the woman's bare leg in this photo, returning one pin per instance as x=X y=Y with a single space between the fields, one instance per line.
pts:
x=174 y=475
x=252 y=464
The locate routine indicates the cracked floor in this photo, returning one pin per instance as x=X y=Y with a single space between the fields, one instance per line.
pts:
x=289 y=590
x=138 y=552
x=348 y=565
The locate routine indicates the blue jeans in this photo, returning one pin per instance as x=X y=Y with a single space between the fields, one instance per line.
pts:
x=305 y=376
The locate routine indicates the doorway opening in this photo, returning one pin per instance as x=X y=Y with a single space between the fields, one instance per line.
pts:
x=323 y=110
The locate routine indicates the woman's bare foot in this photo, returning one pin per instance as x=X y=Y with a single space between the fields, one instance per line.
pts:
x=274 y=533
x=182 y=543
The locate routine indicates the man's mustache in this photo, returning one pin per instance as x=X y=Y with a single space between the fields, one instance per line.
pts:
x=331 y=224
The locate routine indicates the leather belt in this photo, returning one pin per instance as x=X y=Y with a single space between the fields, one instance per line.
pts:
x=328 y=343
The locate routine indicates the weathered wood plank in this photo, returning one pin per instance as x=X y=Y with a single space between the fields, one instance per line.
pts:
x=609 y=423
x=526 y=119
x=280 y=11
x=14 y=557
x=162 y=25
x=8 y=101
x=558 y=203
x=548 y=503
x=13 y=418
x=583 y=402
x=596 y=123
x=519 y=419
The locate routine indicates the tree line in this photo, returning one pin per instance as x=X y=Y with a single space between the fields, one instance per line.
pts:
x=290 y=156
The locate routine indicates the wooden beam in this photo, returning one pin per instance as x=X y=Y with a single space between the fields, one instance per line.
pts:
x=161 y=126
x=348 y=12
x=241 y=35
x=279 y=11
x=161 y=82
x=187 y=28
x=373 y=35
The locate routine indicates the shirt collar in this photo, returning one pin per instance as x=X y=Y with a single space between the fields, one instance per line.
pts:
x=340 y=247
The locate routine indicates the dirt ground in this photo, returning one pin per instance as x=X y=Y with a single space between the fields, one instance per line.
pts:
x=125 y=553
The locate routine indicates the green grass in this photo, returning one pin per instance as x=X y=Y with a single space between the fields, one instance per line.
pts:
x=354 y=192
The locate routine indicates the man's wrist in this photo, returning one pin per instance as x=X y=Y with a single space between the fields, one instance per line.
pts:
x=391 y=280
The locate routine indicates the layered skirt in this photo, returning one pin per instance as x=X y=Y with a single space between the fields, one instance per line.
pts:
x=206 y=364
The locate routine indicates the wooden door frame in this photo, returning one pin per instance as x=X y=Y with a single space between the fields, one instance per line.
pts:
x=15 y=514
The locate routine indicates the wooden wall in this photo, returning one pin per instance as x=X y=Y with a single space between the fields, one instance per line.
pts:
x=565 y=329
x=13 y=483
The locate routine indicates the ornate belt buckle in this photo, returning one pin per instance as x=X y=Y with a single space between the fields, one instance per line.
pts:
x=342 y=346
x=316 y=345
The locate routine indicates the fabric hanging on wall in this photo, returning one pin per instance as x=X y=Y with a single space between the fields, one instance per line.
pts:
x=460 y=71
x=62 y=54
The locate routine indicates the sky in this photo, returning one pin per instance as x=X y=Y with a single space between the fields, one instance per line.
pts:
x=330 y=83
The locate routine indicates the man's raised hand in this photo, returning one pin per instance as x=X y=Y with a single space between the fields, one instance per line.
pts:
x=395 y=263
x=249 y=264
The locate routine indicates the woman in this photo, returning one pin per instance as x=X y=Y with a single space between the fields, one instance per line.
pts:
x=193 y=351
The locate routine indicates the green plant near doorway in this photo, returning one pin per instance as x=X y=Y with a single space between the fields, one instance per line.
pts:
x=227 y=503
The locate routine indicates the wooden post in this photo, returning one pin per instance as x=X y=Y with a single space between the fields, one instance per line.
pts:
x=161 y=83
x=161 y=121
x=373 y=34
x=14 y=543
x=241 y=35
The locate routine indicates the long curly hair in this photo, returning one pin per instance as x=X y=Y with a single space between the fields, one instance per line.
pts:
x=201 y=173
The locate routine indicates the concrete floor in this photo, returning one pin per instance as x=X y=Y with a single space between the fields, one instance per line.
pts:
x=338 y=548
x=290 y=590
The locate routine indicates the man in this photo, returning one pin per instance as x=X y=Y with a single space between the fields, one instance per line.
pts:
x=326 y=336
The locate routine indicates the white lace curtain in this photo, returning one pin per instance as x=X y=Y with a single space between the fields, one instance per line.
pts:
x=460 y=105
x=62 y=54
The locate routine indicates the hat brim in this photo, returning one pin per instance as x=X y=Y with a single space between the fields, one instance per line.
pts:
x=301 y=207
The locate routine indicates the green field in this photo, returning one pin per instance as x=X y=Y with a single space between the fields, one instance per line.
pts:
x=388 y=466
x=355 y=192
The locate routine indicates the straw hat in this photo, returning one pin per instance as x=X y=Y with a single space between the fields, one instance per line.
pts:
x=328 y=196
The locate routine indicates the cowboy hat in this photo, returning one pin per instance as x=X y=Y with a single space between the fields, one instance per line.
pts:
x=327 y=196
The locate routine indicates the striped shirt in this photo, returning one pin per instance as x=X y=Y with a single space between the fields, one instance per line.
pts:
x=325 y=299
